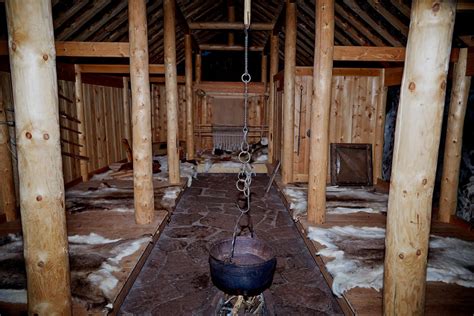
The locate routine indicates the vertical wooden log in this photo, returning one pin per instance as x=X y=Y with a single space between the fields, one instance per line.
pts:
x=171 y=85
x=7 y=185
x=415 y=155
x=81 y=127
x=43 y=217
x=197 y=65
x=264 y=68
x=231 y=18
x=452 y=151
x=126 y=110
x=274 y=58
x=289 y=93
x=320 y=109
x=189 y=96
x=380 y=129
x=141 y=113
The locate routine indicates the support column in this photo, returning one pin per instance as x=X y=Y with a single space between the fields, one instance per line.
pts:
x=320 y=110
x=289 y=93
x=197 y=73
x=415 y=154
x=264 y=68
x=189 y=96
x=141 y=113
x=380 y=129
x=43 y=217
x=126 y=110
x=171 y=86
x=274 y=58
x=7 y=186
x=452 y=150
x=230 y=18
x=81 y=126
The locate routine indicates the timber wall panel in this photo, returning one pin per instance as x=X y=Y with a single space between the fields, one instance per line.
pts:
x=354 y=103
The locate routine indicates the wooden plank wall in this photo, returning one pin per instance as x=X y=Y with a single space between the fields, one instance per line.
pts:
x=158 y=113
x=355 y=99
x=104 y=125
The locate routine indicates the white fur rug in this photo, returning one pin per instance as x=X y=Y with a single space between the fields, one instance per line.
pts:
x=358 y=254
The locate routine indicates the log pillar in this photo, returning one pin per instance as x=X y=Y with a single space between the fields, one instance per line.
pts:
x=126 y=110
x=452 y=150
x=415 y=155
x=189 y=96
x=7 y=186
x=274 y=58
x=320 y=110
x=43 y=217
x=197 y=72
x=84 y=168
x=171 y=86
x=380 y=129
x=141 y=113
x=264 y=68
x=231 y=19
x=289 y=93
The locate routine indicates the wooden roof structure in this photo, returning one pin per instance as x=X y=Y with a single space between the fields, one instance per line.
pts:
x=357 y=23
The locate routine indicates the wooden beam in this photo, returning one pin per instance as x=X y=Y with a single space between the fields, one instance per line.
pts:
x=453 y=145
x=234 y=48
x=387 y=15
x=84 y=168
x=415 y=156
x=126 y=110
x=274 y=59
x=465 y=5
x=198 y=65
x=153 y=69
x=369 y=53
x=180 y=79
x=189 y=96
x=141 y=113
x=229 y=26
x=231 y=19
x=379 y=128
x=393 y=76
x=83 y=49
x=289 y=93
x=171 y=90
x=7 y=188
x=264 y=68
x=43 y=217
x=320 y=110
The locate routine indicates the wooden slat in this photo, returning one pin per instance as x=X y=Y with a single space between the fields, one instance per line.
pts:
x=118 y=69
x=229 y=26
x=234 y=48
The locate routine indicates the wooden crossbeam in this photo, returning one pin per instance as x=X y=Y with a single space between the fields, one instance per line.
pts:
x=229 y=26
x=84 y=49
x=373 y=53
x=229 y=47
x=156 y=69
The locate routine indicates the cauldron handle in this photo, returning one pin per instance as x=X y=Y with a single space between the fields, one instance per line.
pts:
x=234 y=237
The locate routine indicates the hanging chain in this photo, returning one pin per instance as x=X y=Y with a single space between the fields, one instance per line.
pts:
x=244 y=178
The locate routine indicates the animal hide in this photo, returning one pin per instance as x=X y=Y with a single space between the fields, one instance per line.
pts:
x=93 y=261
x=358 y=254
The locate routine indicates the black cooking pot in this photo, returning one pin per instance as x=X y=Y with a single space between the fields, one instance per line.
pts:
x=249 y=273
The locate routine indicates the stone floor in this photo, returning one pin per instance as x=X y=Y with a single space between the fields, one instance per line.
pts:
x=175 y=279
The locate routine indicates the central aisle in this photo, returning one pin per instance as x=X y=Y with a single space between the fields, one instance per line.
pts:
x=175 y=279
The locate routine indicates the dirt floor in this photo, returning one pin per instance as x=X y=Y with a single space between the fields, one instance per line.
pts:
x=175 y=279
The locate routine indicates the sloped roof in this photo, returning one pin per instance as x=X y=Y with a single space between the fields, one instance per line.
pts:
x=357 y=22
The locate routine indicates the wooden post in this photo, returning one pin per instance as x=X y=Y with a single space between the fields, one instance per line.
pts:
x=81 y=127
x=289 y=93
x=274 y=58
x=43 y=217
x=7 y=186
x=380 y=129
x=197 y=73
x=320 y=110
x=264 y=68
x=415 y=154
x=126 y=110
x=189 y=96
x=141 y=113
x=231 y=18
x=452 y=151
x=171 y=86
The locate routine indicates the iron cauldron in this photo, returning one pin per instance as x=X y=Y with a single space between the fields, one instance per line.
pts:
x=251 y=270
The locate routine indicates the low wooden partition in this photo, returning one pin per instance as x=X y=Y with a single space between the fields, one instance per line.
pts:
x=357 y=114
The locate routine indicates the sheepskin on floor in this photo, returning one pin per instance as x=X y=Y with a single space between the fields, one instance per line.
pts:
x=358 y=254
